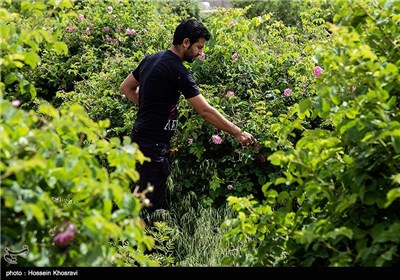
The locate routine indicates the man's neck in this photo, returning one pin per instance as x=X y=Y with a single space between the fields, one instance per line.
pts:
x=176 y=50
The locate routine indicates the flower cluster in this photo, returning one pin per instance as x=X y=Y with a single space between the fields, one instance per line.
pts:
x=71 y=28
x=129 y=31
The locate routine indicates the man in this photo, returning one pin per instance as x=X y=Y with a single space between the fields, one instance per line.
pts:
x=155 y=86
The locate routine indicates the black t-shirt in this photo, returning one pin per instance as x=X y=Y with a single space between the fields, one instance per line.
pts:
x=163 y=78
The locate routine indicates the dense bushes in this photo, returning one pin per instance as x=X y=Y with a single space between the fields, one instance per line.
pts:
x=343 y=181
x=61 y=178
x=322 y=99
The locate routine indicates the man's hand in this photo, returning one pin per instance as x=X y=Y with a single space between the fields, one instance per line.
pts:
x=246 y=139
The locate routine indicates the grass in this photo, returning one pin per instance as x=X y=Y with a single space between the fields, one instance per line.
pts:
x=189 y=234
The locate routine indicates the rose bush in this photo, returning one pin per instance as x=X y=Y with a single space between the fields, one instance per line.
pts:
x=320 y=189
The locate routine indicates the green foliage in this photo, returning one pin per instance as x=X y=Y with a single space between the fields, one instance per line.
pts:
x=322 y=188
x=58 y=168
x=164 y=247
x=287 y=11
x=183 y=8
x=336 y=202
x=22 y=43
x=106 y=43
x=189 y=234
x=271 y=57
x=51 y=173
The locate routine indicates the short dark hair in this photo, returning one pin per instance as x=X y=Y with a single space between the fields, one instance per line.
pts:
x=192 y=29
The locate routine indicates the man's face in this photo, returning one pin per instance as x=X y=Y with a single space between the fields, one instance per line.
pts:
x=193 y=50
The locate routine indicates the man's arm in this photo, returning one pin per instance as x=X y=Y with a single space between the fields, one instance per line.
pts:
x=214 y=117
x=130 y=88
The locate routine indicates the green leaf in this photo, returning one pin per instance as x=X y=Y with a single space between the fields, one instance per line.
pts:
x=61 y=47
x=10 y=78
x=393 y=194
x=340 y=231
x=35 y=211
x=348 y=201
x=396 y=143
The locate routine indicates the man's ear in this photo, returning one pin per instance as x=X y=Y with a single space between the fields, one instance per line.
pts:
x=186 y=42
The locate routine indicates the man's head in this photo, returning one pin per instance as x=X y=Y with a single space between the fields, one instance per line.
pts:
x=191 y=34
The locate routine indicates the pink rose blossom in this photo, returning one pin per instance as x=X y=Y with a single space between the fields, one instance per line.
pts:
x=129 y=31
x=318 y=71
x=235 y=56
x=202 y=56
x=229 y=187
x=217 y=140
x=16 y=103
x=81 y=17
x=190 y=141
x=230 y=93
x=64 y=234
x=88 y=32
x=70 y=29
x=108 y=39
x=106 y=28
x=287 y=92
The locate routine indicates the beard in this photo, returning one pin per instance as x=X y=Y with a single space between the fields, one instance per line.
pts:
x=189 y=57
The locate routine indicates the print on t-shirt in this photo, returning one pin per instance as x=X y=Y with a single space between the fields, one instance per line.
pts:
x=172 y=123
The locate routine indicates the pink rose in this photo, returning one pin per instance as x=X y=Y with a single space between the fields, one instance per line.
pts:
x=287 y=92
x=64 y=233
x=217 y=140
x=190 y=141
x=106 y=28
x=235 y=56
x=70 y=29
x=230 y=93
x=318 y=71
x=129 y=31
x=202 y=56
x=16 y=103
x=229 y=187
